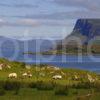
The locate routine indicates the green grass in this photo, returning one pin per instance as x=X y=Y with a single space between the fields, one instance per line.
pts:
x=30 y=94
x=33 y=94
x=44 y=90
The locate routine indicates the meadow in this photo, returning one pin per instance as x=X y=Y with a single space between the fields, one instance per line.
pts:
x=74 y=84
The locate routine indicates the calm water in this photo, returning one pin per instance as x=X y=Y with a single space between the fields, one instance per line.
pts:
x=67 y=61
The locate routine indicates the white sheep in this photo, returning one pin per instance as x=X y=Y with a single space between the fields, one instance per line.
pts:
x=9 y=67
x=56 y=68
x=12 y=75
x=0 y=68
x=29 y=75
x=28 y=67
x=57 y=77
x=90 y=78
x=42 y=74
x=24 y=74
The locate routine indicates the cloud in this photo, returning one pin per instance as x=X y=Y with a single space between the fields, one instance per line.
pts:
x=19 y=23
x=53 y=19
x=92 y=5
x=30 y=22
x=36 y=23
x=2 y=22
x=62 y=15
x=19 y=5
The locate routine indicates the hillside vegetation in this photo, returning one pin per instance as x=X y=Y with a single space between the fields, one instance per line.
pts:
x=46 y=82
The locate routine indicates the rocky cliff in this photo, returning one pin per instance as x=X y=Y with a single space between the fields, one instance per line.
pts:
x=86 y=29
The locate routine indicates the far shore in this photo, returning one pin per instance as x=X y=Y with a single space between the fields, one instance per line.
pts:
x=43 y=53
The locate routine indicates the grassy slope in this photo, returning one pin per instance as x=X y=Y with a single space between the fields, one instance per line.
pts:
x=29 y=94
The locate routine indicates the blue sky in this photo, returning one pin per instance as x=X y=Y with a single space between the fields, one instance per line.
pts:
x=44 y=18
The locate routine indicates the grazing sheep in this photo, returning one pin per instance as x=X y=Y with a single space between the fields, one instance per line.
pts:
x=42 y=74
x=90 y=78
x=28 y=67
x=29 y=75
x=52 y=72
x=56 y=68
x=63 y=73
x=76 y=77
x=37 y=69
x=12 y=75
x=24 y=74
x=43 y=68
x=4 y=66
x=9 y=67
x=57 y=77
x=0 y=68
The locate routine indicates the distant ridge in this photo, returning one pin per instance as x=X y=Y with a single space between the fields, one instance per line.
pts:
x=9 y=46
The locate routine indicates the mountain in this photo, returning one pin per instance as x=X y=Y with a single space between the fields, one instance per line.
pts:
x=86 y=30
x=11 y=47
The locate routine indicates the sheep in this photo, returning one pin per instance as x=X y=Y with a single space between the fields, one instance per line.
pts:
x=56 y=68
x=76 y=77
x=52 y=72
x=37 y=69
x=12 y=75
x=29 y=75
x=9 y=67
x=24 y=74
x=57 y=77
x=90 y=78
x=42 y=74
x=28 y=67
x=43 y=68
x=63 y=73
x=0 y=67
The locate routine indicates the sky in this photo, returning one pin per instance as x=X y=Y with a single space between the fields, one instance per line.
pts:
x=54 y=19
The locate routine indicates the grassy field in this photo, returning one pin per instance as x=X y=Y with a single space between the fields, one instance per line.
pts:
x=75 y=84
x=30 y=94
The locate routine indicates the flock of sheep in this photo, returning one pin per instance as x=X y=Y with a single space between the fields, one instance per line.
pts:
x=14 y=75
x=52 y=71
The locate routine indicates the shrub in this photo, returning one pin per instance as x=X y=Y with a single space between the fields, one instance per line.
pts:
x=61 y=90
x=2 y=84
x=12 y=85
x=32 y=85
x=44 y=85
x=97 y=86
x=2 y=92
x=75 y=92
x=85 y=85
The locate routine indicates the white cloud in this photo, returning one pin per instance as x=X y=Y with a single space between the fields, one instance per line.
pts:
x=2 y=22
x=89 y=4
x=30 y=22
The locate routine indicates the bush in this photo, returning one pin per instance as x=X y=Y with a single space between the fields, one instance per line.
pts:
x=32 y=85
x=12 y=85
x=75 y=92
x=2 y=84
x=83 y=85
x=40 y=85
x=2 y=92
x=61 y=90
x=97 y=86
